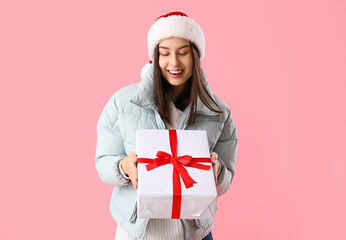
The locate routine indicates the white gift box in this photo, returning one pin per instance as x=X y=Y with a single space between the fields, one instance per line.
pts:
x=155 y=187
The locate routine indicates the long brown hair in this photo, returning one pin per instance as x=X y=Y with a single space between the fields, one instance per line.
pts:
x=194 y=88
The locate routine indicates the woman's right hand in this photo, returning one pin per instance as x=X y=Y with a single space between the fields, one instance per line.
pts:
x=129 y=166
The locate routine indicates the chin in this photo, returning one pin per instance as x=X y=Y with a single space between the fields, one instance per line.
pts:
x=175 y=83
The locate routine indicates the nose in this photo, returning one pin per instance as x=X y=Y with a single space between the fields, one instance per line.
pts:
x=174 y=60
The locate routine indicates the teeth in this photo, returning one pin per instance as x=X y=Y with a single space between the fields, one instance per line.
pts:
x=175 y=72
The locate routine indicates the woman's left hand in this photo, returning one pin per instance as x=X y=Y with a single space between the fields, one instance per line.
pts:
x=216 y=164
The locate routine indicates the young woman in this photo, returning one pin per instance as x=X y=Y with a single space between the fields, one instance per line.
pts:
x=173 y=94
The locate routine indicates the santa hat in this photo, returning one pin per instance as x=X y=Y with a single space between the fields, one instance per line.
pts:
x=174 y=24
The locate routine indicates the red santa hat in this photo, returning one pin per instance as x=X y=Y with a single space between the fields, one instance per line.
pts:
x=174 y=24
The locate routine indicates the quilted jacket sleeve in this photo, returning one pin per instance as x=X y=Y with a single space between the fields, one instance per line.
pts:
x=110 y=147
x=226 y=148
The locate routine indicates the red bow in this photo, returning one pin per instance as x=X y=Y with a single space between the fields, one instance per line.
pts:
x=179 y=169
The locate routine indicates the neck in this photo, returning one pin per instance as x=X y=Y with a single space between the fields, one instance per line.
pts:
x=177 y=90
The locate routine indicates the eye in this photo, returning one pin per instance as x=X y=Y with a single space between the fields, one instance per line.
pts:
x=183 y=53
x=164 y=54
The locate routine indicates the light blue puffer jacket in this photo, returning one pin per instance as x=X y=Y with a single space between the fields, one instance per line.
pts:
x=134 y=107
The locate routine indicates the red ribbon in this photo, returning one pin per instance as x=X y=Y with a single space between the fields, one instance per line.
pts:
x=179 y=164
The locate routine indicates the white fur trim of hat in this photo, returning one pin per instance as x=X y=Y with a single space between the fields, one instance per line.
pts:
x=174 y=24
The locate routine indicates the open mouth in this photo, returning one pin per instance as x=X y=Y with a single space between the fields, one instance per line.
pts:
x=175 y=73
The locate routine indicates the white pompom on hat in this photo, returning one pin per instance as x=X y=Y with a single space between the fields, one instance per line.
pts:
x=174 y=24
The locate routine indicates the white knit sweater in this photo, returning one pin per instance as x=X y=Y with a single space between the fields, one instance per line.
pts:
x=159 y=229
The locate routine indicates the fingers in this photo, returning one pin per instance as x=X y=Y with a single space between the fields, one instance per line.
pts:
x=134 y=180
x=214 y=157
x=133 y=169
x=215 y=163
x=215 y=174
x=129 y=166
x=134 y=176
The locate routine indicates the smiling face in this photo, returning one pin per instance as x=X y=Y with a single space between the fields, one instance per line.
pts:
x=176 y=62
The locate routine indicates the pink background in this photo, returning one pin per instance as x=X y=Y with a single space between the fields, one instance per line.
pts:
x=279 y=65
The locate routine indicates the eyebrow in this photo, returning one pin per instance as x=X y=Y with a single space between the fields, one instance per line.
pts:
x=178 y=48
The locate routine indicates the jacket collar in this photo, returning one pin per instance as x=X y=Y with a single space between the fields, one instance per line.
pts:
x=145 y=94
